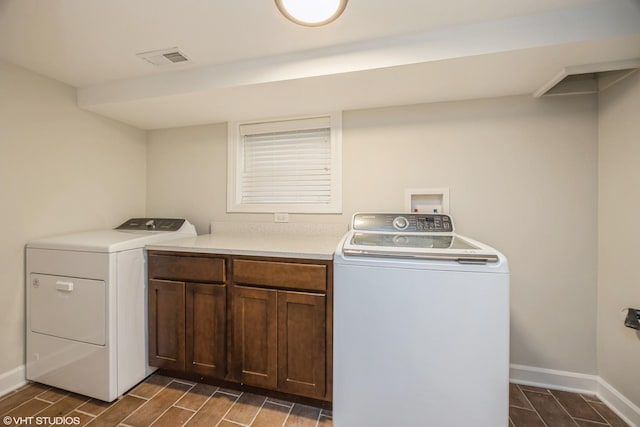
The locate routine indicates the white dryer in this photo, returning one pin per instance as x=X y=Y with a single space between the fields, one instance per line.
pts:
x=86 y=317
x=421 y=326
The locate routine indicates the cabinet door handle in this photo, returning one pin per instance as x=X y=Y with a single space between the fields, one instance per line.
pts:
x=64 y=286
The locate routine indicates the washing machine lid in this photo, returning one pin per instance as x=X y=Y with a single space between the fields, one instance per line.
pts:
x=117 y=240
x=413 y=236
x=418 y=246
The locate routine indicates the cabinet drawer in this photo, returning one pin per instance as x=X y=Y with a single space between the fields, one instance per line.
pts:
x=186 y=268
x=280 y=274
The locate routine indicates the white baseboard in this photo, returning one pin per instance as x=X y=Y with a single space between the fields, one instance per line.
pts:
x=579 y=383
x=625 y=408
x=13 y=379
x=551 y=378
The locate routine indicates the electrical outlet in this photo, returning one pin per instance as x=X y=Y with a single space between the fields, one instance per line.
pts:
x=281 y=217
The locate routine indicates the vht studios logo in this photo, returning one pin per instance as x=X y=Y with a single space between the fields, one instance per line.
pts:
x=40 y=421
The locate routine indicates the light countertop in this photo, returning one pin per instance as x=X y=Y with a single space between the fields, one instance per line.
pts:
x=261 y=240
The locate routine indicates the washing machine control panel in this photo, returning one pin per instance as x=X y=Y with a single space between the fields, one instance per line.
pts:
x=152 y=224
x=405 y=222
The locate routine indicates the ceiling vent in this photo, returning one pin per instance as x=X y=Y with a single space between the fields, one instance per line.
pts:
x=162 y=58
x=588 y=79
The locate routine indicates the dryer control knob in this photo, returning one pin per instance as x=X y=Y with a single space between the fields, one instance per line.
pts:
x=400 y=223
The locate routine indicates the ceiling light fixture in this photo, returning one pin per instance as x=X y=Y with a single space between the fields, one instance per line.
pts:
x=311 y=13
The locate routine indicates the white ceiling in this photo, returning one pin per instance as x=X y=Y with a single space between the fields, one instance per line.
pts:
x=249 y=62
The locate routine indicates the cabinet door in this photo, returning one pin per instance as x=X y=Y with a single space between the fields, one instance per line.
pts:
x=254 y=336
x=166 y=324
x=301 y=343
x=205 y=332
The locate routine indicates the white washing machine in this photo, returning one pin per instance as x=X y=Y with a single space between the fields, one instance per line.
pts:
x=86 y=307
x=421 y=326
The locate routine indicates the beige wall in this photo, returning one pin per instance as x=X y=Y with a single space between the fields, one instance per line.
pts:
x=522 y=175
x=619 y=233
x=187 y=173
x=61 y=169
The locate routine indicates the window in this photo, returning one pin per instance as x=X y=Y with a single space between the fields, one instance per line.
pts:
x=289 y=165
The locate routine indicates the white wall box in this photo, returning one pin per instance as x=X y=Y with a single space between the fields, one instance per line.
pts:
x=426 y=200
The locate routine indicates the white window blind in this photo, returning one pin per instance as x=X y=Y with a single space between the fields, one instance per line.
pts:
x=285 y=166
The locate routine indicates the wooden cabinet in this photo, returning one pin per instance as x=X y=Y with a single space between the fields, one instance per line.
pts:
x=166 y=324
x=281 y=275
x=187 y=268
x=263 y=322
x=255 y=352
x=205 y=335
x=187 y=320
x=279 y=340
x=280 y=334
x=302 y=356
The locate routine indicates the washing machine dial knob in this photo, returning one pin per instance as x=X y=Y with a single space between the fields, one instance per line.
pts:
x=400 y=223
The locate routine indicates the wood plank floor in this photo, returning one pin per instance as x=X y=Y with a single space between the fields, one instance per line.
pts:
x=158 y=401
x=164 y=401
x=540 y=407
